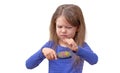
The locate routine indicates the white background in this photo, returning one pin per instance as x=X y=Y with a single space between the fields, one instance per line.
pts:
x=24 y=28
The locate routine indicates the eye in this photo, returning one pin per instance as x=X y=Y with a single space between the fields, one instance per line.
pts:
x=69 y=27
x=59 y=26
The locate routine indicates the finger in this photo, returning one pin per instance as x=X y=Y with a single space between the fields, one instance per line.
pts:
x=51 y=55
x=72 y=45
x=54 y=55
x=69 y=42
x=48 y=57
x=65 y=41
x=75 y=48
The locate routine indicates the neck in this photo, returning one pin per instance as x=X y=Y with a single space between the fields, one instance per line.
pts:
x=61 y=43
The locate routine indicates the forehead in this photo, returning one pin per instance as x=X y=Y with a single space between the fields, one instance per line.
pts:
x=61 y=21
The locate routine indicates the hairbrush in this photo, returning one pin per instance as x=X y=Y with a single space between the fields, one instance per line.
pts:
x=64 y=55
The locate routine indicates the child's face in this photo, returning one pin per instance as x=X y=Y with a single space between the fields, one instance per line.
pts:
x=64 y=29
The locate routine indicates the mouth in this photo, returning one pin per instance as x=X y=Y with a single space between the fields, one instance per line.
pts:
x=63 y=36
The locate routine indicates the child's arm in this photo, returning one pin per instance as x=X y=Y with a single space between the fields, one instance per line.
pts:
x=35 y=60
x=38 y=57
x=87 y=54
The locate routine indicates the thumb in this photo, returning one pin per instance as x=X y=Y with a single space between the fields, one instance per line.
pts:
x=54 y=54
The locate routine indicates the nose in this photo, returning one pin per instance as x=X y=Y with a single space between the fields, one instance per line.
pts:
x=63 y=30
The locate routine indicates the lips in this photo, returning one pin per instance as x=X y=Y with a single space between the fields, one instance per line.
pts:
x=65 y=36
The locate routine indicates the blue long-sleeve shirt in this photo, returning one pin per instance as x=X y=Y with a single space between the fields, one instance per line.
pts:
x=74 y=64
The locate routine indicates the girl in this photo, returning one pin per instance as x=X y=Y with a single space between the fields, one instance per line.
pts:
x=66 y=50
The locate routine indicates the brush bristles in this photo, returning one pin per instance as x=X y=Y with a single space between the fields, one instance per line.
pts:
x=64 y=54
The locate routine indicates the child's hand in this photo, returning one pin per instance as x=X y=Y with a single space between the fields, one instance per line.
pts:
x=49 y=53
x=71 y=44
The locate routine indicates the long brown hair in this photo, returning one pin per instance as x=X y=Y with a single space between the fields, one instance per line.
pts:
x=74 y=16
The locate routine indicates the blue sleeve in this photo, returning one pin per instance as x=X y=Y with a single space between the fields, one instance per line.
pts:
x=87 y=54
x=37 y=57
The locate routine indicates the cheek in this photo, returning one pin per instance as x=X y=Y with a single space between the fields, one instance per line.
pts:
x=57 y=31
x=72 y=34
